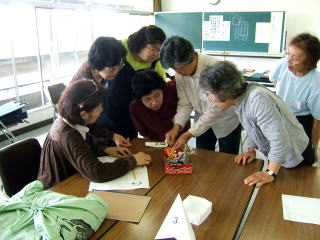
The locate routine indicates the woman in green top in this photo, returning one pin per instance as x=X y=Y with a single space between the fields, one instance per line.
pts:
x=143 y=49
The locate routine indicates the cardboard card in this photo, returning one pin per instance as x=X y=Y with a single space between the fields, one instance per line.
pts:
x=124 y=206
x=176 y=224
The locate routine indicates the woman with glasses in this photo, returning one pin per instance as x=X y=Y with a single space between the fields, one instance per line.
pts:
x=297 y=83
x=155 y=105
x=271 y=126
x=143 y=49
x=105 y=59
x=211 y=122
x=66 y=151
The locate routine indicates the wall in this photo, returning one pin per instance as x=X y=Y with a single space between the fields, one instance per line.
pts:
x=301 y=16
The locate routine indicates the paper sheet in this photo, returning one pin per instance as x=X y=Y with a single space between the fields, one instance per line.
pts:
x=176 y=223
x=301 y=209
x=124 y=206
x=134 y=179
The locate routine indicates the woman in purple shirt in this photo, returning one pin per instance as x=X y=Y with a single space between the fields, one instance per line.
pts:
x=155 y=106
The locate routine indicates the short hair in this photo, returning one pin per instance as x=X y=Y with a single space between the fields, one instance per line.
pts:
x=146 y=35
x=105 y=52
x=175 y=52
x=82 y=95
x=310 y=45
x=223 y=80
x=144 y=82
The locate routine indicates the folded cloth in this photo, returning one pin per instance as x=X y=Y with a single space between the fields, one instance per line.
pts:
x=36 y=214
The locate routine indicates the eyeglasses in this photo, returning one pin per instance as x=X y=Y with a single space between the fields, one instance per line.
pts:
x=148 y=101
x=293 y=58
x=115 y=68
x=154 y=50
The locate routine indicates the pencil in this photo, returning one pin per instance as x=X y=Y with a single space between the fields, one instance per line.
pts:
x=134 y=173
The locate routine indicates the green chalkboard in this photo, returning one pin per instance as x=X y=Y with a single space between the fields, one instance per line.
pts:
x=187 y=25
x=242 y=35
x=233 y=33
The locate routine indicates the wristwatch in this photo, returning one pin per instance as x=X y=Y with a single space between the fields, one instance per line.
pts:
x=271 y=173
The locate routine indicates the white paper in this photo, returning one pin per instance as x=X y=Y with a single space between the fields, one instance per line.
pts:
x=275 y=32
x=126 y=182
x=262 y=32
x=156 y=144
x=301 y=209
x=176 y=224
x=216 y=29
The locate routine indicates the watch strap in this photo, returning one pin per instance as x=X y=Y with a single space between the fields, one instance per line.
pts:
x=271 y=173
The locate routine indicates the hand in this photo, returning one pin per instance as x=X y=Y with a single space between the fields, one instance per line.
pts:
x=182 y=140
x=142 y=158
x=120 y=141
x=259 y=178
x=246 y=157
x=172 y=135
x=117 y=151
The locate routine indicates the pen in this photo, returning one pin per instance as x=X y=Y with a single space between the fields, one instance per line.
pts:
x=134 y=173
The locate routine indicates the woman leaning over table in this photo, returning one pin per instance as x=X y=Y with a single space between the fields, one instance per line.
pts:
x=143 y=49
x=271 y=126
x=297 y=83
x=155 y=105
x=65 y=150
x=212 y=124
x=104 y=61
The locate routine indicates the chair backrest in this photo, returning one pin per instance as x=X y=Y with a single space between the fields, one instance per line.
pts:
x=55 y=92
x=19 y=164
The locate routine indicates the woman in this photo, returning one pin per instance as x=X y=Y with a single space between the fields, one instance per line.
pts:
x=143 y=52
x=271 y=126
x=211 y=123
x=104 y=61
x=297 y=83
x=65 y=150
x=155 y=105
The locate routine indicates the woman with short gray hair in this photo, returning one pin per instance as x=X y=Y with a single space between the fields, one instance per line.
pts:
x=211 y=122
x=271 y=126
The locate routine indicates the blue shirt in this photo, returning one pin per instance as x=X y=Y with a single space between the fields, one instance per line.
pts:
x=302 y=94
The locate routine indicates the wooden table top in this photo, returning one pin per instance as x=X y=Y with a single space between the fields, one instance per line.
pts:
x=78 y=186
x=266 y=221
x=215 y=177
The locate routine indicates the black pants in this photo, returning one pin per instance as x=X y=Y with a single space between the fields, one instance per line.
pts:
x=308 y=156
x=228 y=144
x=307 y=123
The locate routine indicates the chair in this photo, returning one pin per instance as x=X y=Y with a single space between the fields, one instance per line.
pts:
x=19 y=164
x=11 y=114
x=55 y=94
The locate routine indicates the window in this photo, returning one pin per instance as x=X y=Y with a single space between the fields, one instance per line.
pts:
x=43 y=46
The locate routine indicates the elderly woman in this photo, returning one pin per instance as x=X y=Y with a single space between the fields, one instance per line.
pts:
x=104 y=61
x=143 y=52
x=298 y=83
x=65 y=150
x=271 y=126
x=155 y=106
x=212 y=123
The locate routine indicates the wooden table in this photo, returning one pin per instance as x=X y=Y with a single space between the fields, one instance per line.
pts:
x=266 y=220
x=78 y=186
x=215 y=177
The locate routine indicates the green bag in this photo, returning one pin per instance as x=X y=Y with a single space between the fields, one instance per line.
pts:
x=36 y=214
